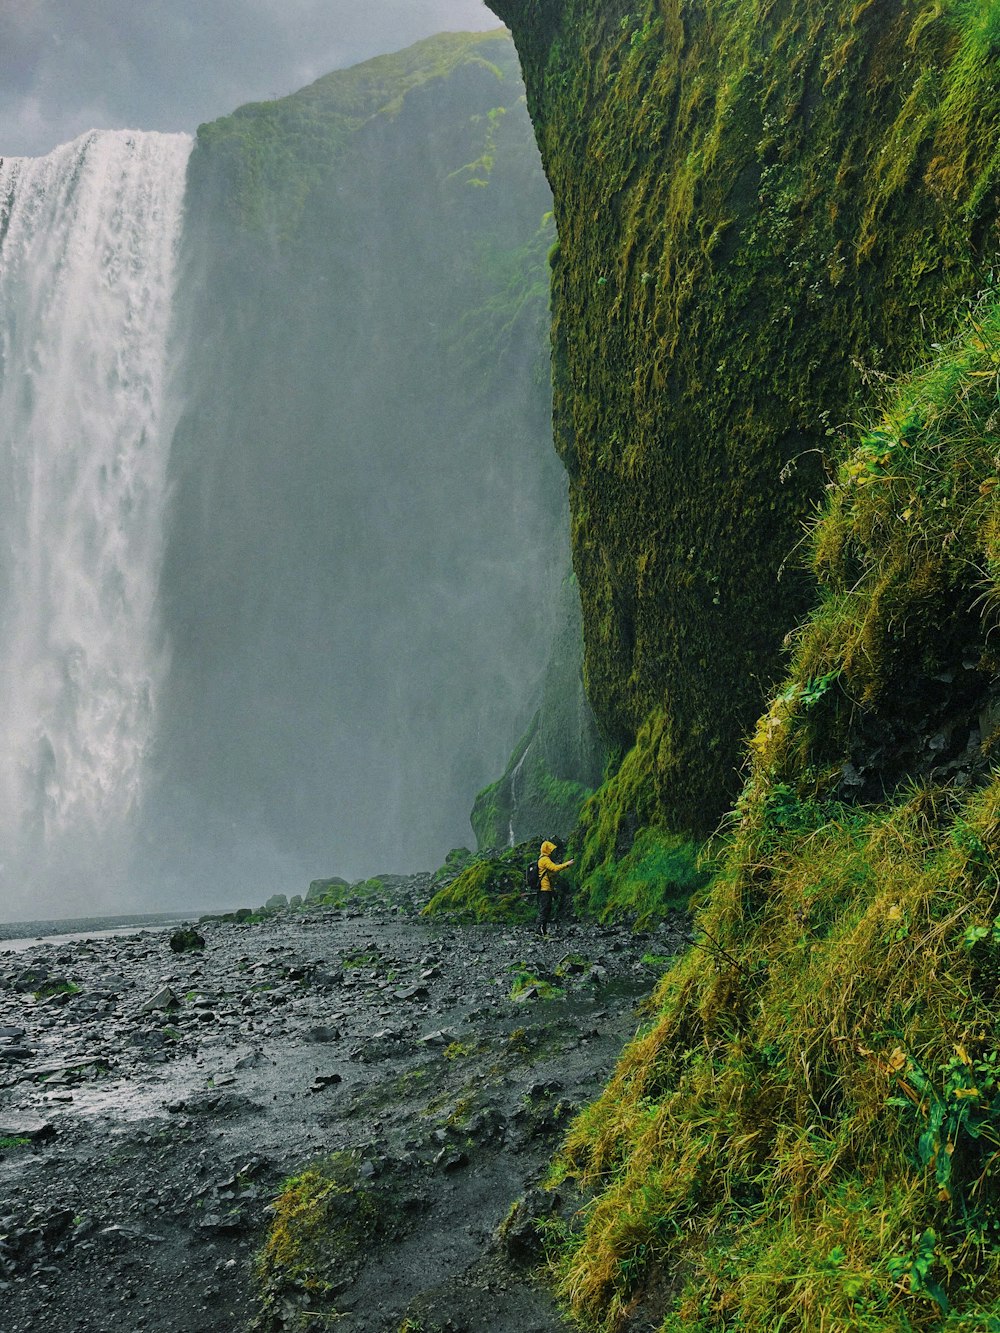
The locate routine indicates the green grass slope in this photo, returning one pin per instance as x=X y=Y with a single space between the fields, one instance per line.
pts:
x=806 y=1133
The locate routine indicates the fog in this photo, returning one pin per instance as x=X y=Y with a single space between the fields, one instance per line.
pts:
x=355 y=543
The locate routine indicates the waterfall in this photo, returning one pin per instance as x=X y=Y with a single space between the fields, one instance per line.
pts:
x=88 y=248
x=511 y=842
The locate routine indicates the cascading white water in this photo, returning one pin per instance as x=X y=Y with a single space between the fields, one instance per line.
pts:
x=89 y=237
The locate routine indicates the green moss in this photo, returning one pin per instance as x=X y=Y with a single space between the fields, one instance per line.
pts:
x=758 y=1156
x=456 y=860
x=658 y=875
x=563 y=796
x=542 y=989
x=363 y=958
x=458 y=1050
x=893 y=671
x=488 y=888
x=757 y=204
x=806 y=1135
x=629 y=863
x=56 y=988
x=529 y=799
x=490 y=816
x=339 y=893
x=772 y=1149
x=323 y=1224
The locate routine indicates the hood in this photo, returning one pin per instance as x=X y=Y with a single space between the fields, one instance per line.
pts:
x=548 y=848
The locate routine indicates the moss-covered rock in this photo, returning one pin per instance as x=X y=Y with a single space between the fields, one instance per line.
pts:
x=324 y=1225
x=489 y=887
x=757 y=206
x=456 y=861
x=319 y=889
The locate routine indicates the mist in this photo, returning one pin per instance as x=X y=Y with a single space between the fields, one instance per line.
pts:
x=362 y=526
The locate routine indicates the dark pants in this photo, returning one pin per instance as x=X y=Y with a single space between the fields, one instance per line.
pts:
x=544 y=910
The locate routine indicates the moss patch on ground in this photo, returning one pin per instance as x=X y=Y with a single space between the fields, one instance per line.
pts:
x=324 y=1223
x=489 y=887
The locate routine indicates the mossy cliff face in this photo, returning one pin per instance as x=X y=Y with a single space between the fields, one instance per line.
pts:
x=806 y=1134
x=756 y=203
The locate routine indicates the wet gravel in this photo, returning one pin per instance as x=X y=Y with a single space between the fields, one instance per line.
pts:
x=152 y=1104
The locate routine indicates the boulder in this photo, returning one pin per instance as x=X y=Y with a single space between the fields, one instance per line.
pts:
x=16 y=1052
x=322 y=1034
x=443 y=1037
x=31 y=978
x=323 y=1081
x=186 y=940
x=164 y=998
x=520 y=1235
x=319 y=888
x=411 y=993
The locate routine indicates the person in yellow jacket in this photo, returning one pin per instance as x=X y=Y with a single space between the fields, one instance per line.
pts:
x=546 y=869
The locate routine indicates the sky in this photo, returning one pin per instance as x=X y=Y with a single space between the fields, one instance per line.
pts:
x=68 y=66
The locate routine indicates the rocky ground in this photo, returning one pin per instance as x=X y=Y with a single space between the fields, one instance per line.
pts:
x=152 y=1104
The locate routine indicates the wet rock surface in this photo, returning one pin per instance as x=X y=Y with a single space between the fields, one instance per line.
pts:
x=152 y=1103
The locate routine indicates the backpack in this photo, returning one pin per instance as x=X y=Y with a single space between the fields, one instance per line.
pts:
x=532 y=879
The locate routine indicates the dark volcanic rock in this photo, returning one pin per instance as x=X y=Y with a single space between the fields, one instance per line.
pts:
x=186 y=940
x=322 y=1034
x=14 y=1126
x=164 y=998
x=519 y=1235
x=182 y=1099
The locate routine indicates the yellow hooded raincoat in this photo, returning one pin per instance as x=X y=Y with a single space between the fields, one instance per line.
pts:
x=548 y=867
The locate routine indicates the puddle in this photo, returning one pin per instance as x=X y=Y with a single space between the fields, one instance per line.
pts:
x=16 y=936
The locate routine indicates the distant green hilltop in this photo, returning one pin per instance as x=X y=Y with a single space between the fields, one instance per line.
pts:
x=278 y=152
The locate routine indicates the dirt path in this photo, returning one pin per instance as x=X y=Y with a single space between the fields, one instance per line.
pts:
x=164 y=1098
